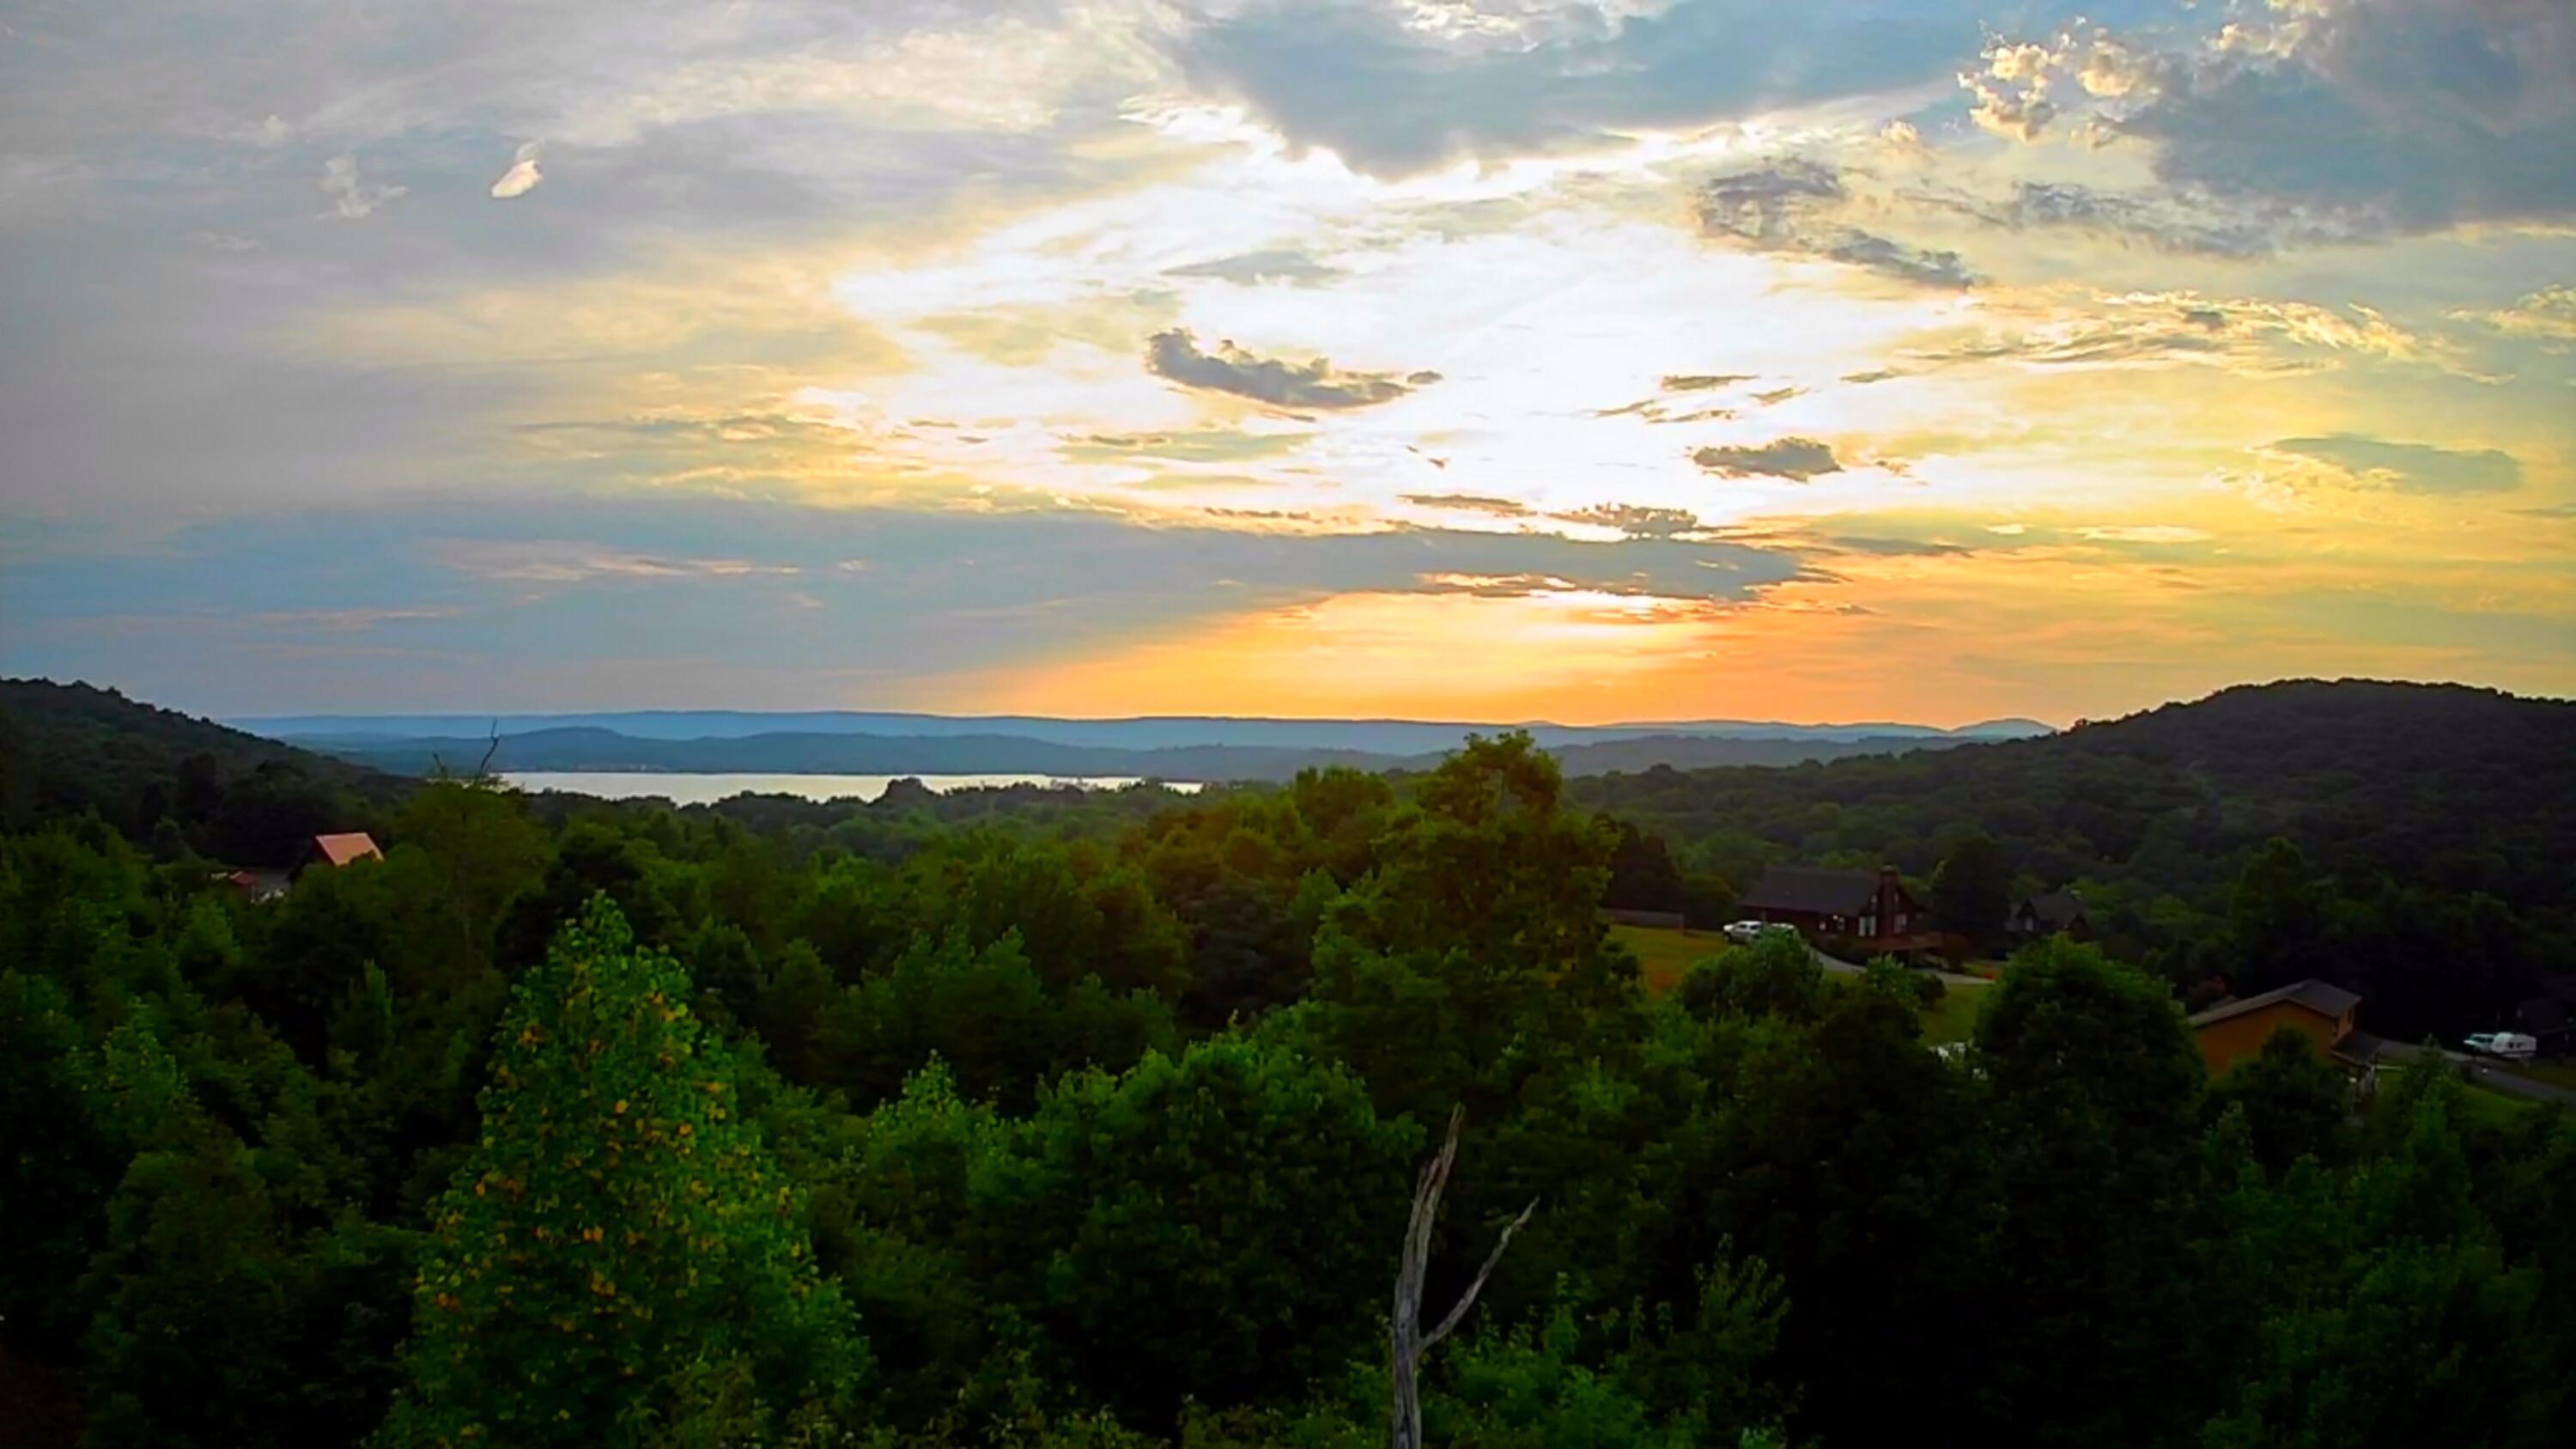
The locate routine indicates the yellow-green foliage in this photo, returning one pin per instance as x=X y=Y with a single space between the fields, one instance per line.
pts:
x=618 y=1237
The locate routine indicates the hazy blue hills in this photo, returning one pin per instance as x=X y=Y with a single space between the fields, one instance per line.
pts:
x=594 y=748
x=1378 y=737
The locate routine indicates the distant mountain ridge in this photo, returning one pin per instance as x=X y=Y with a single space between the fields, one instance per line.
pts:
x=1147 y=732
x=590 y=749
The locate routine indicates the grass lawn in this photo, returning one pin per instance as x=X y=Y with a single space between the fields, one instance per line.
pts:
x=1667 y=955
x=1954 y=1018
x=2556 y=1074
x=2487 y=1107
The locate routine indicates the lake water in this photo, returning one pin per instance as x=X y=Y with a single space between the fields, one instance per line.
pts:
x=687 y=789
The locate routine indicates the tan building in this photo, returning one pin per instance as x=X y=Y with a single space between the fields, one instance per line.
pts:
x=2234 y=1031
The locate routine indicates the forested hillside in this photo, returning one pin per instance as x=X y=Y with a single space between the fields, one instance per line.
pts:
x=2415 y=842
x=1095 y=1121
x=66 y=749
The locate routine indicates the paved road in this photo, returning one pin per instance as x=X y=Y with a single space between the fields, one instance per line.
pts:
x=2487 y=1072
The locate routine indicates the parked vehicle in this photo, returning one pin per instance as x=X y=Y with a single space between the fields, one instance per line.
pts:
x=2512 y=1046
x=1745 y=933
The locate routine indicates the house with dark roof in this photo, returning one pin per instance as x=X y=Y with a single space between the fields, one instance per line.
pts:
x=2050 y=913
x=2233 y=1031
x=1872 y=910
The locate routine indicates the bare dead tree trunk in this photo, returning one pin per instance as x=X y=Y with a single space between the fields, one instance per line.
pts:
x=1409 y=1343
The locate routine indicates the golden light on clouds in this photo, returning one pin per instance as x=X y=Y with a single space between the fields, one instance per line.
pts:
x=2033 y=411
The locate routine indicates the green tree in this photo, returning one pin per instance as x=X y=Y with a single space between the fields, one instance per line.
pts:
x=2391 y=1310
x=484 y=851
x=2295 y=1101
x=618 y=1233
x=2093 y=1092
x=1778 y=975
x=1972 y=888
x=2276 y=916
x=1218 y=1224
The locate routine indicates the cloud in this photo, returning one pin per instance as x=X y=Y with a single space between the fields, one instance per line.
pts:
x=2011 y=91
x=1395 y=87
x=1797 y=207
x=2396 y=116
x=1253 y=268
x=352 y=196
x=2158 y=223
x=1892 y=547
x=547 y=561
x=2143 y=533
x=521 y=178
x=2409 y=467
x=1175 y=355
x=1795 y=458
x=2169 y=329
x=2548 y=315
x=347 y=621
x=1634 y=520
x=1470 y=503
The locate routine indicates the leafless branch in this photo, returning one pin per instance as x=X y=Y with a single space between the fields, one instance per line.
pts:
x=1408 y=1343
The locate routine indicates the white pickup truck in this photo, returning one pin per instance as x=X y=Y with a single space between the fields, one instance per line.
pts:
x=1745 y=933
x=2512 y=1046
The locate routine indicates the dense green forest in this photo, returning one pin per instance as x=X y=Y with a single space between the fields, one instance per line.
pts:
x=1043 y=1118
x=2415 y=843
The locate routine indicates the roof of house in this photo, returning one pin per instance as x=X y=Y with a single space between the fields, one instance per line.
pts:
x=2056 y=909
x=2322 y=997
x=2358 y=1047
x=343 y=848
x=1813 y=889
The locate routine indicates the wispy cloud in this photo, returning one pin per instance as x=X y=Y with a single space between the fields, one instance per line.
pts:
x=354 y=197
x=1802 y=207
x=2159 y=533
x=541 y=561
x=2409 y=467
x=2548 y=315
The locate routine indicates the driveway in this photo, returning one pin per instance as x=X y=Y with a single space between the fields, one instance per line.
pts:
x=2486 y=1072
x=1952 y=978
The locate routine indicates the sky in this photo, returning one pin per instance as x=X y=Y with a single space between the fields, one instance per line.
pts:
x=1584 y=360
